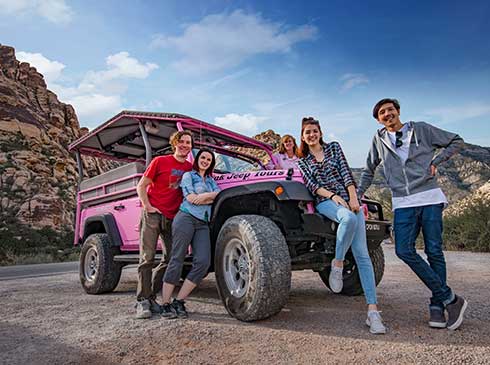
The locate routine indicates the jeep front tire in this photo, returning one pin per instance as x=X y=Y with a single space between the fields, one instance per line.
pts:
x=352 y=281
x=98 y=271
x=253 y=267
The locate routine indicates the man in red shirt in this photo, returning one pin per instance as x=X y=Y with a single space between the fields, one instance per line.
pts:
x=160 y=194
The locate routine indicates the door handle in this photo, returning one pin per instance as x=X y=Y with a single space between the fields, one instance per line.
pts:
x=119 y=207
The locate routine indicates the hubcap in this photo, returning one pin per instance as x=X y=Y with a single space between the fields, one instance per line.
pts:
x=90 y=264
x=236 y=268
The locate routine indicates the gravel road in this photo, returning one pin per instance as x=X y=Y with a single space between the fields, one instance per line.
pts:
x=50 y=320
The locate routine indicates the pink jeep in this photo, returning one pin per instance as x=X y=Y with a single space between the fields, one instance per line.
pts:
x=263 y=222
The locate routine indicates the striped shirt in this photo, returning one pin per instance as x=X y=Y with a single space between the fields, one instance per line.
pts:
x=333 y=173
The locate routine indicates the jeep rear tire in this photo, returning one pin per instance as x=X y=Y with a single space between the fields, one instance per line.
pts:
x=253 y=267
x=98 y=271
x=352 y=282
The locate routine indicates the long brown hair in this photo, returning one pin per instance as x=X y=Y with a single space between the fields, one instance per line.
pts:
x=304 y=149
x=210 y=169
x=284 y=138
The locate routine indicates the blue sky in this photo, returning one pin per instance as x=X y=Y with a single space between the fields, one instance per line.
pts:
x=257 y=65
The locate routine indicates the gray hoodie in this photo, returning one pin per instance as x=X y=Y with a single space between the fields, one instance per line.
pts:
x=414 y=175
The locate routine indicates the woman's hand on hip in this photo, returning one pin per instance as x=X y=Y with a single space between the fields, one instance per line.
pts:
x=354 y=205
x=339 y=201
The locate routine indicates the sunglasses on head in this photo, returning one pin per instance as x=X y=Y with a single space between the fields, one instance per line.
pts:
x=309 y=120
x=399 y=142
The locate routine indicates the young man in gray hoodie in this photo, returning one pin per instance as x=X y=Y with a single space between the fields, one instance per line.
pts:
x=408 y=154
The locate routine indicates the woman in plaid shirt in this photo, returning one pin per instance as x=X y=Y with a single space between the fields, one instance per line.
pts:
x=328 y=176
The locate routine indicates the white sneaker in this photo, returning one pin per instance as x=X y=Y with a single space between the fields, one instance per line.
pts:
x=335 y=279
x=375 y=323
x=143 y=310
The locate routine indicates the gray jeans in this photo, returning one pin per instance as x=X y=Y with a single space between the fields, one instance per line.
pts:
x=152 y=225
x=186 y=230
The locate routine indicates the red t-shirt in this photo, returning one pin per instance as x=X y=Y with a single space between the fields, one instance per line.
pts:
x=164 y=192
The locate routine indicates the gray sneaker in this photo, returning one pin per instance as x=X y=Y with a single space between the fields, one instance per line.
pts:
x=168 y=311
x=143 y=309
x=375 y=323
x=155 y=307
x=437 y=318
x=455 y=312
x=335 y=279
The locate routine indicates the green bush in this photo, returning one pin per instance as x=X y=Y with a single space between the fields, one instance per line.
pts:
x=469 y=231
x=20 y=243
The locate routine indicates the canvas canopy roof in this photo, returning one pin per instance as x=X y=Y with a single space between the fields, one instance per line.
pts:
x=121 y=137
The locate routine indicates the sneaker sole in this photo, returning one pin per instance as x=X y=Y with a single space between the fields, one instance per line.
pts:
x=458 y=322
x=168 y=317
x=437 y=324
x=381 y=332
x=144 y=316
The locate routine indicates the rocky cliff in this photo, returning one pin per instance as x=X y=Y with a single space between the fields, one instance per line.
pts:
x=38 y=175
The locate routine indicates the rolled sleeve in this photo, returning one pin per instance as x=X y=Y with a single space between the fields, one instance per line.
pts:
x=187 y=185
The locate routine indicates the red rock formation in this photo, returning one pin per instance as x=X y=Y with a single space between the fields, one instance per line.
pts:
x=38 y=175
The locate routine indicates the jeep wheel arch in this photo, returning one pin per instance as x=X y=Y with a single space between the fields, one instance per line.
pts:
x=104 y=223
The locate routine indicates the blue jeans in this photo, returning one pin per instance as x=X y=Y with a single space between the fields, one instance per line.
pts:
x=351 y=233
x=407 y=225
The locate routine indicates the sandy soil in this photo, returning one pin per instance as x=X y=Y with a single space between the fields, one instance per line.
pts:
x=50 y=320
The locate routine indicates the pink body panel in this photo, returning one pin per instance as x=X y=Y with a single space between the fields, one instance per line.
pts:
x=128 y=217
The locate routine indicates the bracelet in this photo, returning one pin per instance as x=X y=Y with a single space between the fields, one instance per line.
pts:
x=331 y=196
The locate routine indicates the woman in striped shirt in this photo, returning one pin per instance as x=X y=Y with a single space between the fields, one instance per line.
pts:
x=328 y=176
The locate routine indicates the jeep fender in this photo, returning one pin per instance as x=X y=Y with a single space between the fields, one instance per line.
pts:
x=291 y=190
x=104 y=223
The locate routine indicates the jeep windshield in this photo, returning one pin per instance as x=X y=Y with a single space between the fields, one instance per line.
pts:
x=233 y=162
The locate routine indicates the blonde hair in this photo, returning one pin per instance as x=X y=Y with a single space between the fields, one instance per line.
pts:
x=284 y=138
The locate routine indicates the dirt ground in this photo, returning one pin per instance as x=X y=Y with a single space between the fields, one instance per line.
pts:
x=50 y=320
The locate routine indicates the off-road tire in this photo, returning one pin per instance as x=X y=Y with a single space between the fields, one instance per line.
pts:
x=104 y=274
x=269 y=267
x=352 y=282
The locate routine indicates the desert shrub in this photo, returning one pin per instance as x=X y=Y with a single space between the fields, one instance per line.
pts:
x=469 y=230
x=40 y=245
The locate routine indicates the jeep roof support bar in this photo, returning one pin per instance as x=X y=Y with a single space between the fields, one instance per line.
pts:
x=80 y=167
x=146 y=141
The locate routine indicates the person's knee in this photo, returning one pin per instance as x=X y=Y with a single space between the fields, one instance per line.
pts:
x=349 y=219
x=202 y=264
x=404 y=253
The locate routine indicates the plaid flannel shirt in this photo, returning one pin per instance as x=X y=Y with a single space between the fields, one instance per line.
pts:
x=333 y=173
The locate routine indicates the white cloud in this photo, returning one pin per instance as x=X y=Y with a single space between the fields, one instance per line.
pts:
x=50 y=69
x=93 y=105
x=247 y=124
x=221 y=41
x=99 y=93
x=458 y=113
x=120 y=66
x=55 y=11
x=350 y=81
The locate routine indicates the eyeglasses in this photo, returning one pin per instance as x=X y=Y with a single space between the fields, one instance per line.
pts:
x=399 y=142
x=309 y=120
